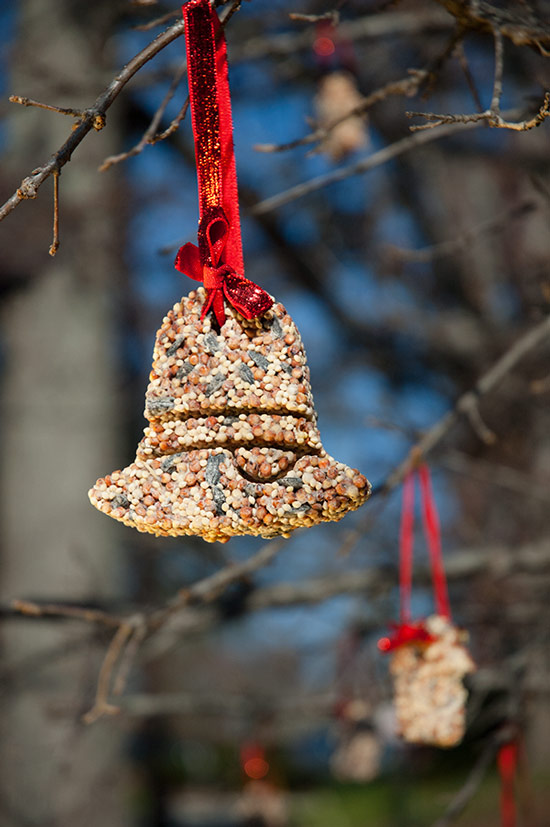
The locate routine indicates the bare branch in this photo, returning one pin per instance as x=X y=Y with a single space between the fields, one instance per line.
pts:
x=150 y=136
x=61 y=110
x=373 y=26
x=491 y=116
x=158 y=21
x=407 y=86
x=470 y=407
x=330 y=16
x=116 y=647
x=464 y=65
x=128 y=656
x=523 y=26
x=58 y=610
x=498 y=72
x=473 y=782
x=502 y=476
x=388 y=153
x=493 y=119
x=488 y=381
x=211 y=587
x=91 y=118
x=464 y=239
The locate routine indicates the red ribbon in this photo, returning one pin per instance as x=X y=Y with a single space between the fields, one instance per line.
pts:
x=218 y=260
x=407 y=631
x=433 y=536
x=507 y=761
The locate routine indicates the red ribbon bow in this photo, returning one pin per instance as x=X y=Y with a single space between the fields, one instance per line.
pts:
x=405 y=633
x=205 y=263
x=218 y=260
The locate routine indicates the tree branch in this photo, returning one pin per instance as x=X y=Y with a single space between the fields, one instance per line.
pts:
x=407 y=86
x=468 y=401
x=151 y=136
x=388 y=153
x=92 y=118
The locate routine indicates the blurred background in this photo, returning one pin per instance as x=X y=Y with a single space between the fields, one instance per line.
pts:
x=269 y=702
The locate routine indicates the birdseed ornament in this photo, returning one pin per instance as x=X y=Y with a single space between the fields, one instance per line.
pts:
x=429 y=657
x=357 y=756
x=231 y=446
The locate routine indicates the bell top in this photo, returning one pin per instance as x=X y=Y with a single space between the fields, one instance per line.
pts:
x=256 y=366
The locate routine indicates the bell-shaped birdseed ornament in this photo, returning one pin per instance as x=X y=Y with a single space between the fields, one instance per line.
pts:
x=232 y=445
x=429 y=657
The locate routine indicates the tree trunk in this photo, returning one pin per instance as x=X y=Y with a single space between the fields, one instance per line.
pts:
x=58 y=435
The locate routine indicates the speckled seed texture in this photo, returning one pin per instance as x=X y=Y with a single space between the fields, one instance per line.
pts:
x=231 y=445
x=430 y=697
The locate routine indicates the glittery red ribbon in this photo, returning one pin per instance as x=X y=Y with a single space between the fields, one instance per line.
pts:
x=507 y=760
x=218 y=260
x=407 y=631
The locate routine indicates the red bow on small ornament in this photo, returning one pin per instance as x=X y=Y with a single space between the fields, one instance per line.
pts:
x=405 y=633
x=218 y=260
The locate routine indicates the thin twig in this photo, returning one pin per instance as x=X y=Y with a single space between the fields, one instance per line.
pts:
x=388 y=153
x=330 y=16
x=498 y=71
x=150 y=135
x=370 y=26
x=211 y=587
x=465 y=66
x=158 y=21
x=61 y=110
x=101 y=704
x=484 y=433
x=468 y=401
x=226 y=16
x=54 y=247
x=491 y=116
x=407 y=86
x=128 y=656
x=473 y=782
x=501 y=476
x=30 y=608
x=461 y=565
x=91 y=118
x=464 y=239
x=493 y=119
x=161 y=136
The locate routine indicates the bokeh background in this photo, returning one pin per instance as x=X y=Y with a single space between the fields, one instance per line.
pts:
x=407 y=283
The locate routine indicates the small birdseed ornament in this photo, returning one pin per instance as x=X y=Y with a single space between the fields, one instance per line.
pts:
x=429 y=657
x=232 y=445
x=357 y=756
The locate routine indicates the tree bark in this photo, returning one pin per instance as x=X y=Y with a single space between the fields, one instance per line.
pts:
x=59 y=416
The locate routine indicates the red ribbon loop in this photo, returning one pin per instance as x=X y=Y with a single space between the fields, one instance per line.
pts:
x=218 y=260
x=407 y=631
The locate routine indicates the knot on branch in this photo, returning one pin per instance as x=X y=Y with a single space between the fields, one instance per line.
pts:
x=28 y=188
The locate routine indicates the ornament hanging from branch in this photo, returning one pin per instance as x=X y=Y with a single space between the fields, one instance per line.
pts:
x=429 y=657
x=232 y=445
x=338 y=99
